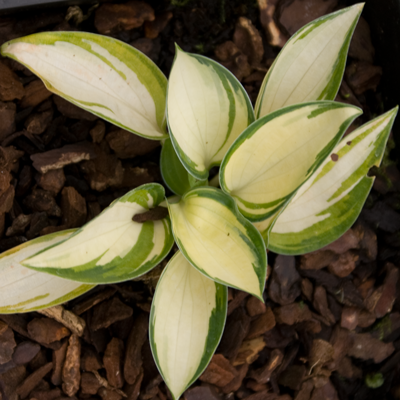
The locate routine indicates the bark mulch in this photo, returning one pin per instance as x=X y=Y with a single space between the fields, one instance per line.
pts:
x=330 y=326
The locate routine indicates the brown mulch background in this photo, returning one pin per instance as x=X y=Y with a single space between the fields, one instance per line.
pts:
x=330 y=328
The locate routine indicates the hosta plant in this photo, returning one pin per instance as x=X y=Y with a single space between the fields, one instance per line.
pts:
x=287 y=179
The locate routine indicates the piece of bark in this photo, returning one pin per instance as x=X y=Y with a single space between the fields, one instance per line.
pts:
x=237 y=300
x=321 y=353
x=219 y=372
x=90 y=360
x=255 y=307
x=133 y=391
x=17 y=322
x=231 y=57
x=25 y=352
x=109 y=394
x=98 y=131
x=19 y=225
x=7 y=345
x=362 y=76
x=236 y=329
x=46 y=394
x=274 y=34
x=97 y=298
x=367 y=347
x=33 y=380
x=52 y=181
x=112 y=361
x=116 y=17
x=236 y=382
x=349 y=318
x=103 y=172
x=73 y=207
x=39 y=360
x=89 y=383
x=127 y=145
x=35 y=93
x=42 y=201
x=305 y=392
x=133 y=354
x=320 y=303
x=71 y=374
x=153 y=28
x=37 y=123
x=317 y=259
x=248 y=39
x=58 y=158
x=7 y=199
x=292 y=314
x=389 y=290
x=202 y=393
x=326 y=392
x=46 y=330
x=293 y=15
x=366 y=319
x=262 y=324
x=58 y=364
x=108 y=312
x=346 y=369
x=344 y=265
x=10 y=380
x=293 y=376
x=349 y=240
x=248 y=351
x=7 y=115
x=262 y=375
x=10 y=86
x=285 y=281
x=70 y=110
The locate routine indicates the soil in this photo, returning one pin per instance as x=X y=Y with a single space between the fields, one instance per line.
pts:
x=330 y=327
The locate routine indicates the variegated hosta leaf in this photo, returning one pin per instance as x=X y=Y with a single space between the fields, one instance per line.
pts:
x=111 y=247
x=23 y=290
x=173 y=172
x=99 y=74
x=186 y=323
x=311 y=65
x=218 y=240
x=331 y=200
x=277 y=153
x=207 y=110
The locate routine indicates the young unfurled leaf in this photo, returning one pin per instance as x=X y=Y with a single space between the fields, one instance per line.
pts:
x=99 y=74
x=218 y=240
x=23 y=289
x=111 y=247
x=207 y=110
x=331 y=200
x=311 y=65
x=186 y=323
x=279 y=152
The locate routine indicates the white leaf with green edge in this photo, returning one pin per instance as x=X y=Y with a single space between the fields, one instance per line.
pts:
x=218 y=240
x=111 y=247
x=279 y=152
x=331 y=200
x=23 y=290
x=207 y=109
x=173 y=172
x=99 y=74
x=311 y=64
x=186 y=323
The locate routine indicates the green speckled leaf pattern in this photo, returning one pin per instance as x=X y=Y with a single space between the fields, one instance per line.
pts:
x=331 y=200
x=277 y=153
x=112 y=247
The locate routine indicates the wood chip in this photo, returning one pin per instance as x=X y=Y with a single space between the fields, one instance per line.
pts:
x=71 y=374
